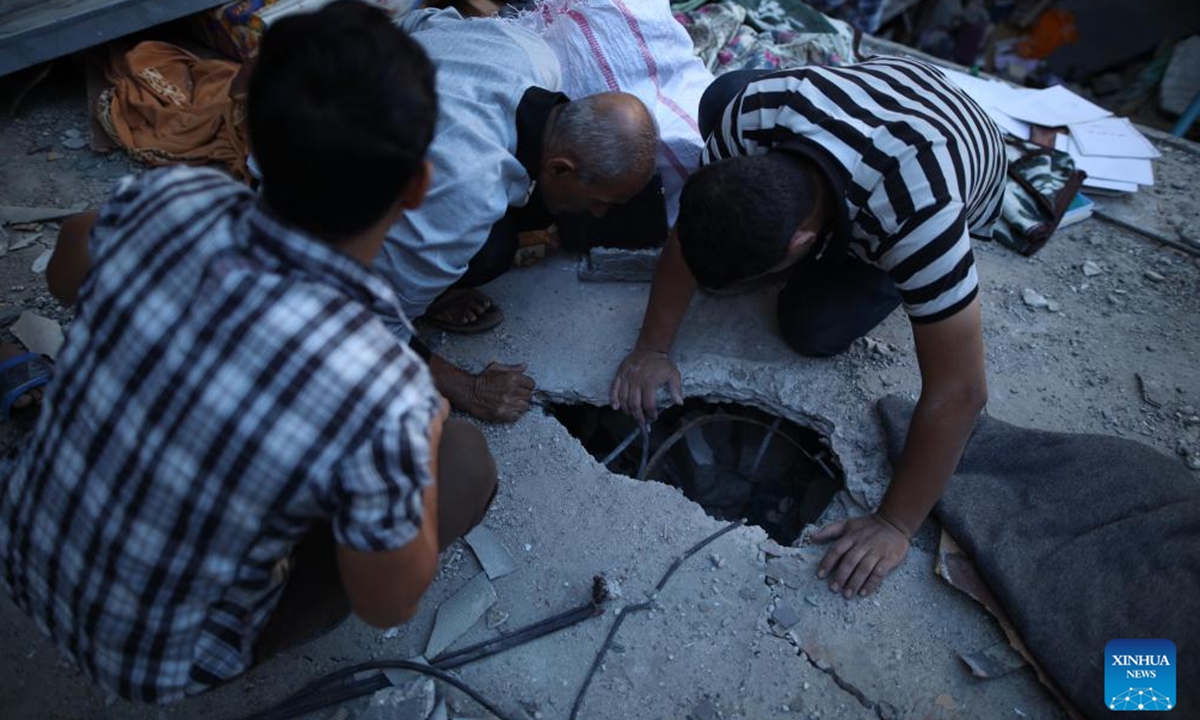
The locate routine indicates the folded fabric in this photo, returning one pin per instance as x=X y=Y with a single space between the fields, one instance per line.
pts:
x=167 y=106
x=1083 y=539
x=728 y=36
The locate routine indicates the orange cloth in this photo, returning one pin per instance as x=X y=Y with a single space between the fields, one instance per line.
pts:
x=1054 y=28
x=168 y=106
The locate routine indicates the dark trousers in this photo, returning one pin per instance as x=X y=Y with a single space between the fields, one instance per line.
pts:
x=496 y=255
x=825 y=306
x=314 y=600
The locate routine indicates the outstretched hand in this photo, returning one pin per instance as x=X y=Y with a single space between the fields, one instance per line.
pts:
x=501 y=393
x=867 y=549
x=637 y=381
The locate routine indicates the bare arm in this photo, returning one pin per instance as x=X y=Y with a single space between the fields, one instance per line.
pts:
x=385 y=588
x=953 y=391
x=648 y=366
x=70 y=262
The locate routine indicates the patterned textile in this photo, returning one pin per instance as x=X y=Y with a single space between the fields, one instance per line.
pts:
x=761 y=36
x=921 y=167
x=226 y=385
x=1034 y=203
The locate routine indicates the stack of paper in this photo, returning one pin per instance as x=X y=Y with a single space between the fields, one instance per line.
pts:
x=1115 y=156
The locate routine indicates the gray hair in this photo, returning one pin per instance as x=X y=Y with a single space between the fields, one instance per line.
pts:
x=601 y=138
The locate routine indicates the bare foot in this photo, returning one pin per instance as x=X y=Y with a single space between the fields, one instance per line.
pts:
x=29 y=399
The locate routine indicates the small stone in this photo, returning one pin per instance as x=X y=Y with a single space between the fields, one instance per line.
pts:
x=1153 y=276
x=75 y=143
x=1034 y=299
x=496 y=617
x=52 y=156
x=1053 y=306
x=1092 y=269
x=785 y=616
x=72 y=133
x=812 y=600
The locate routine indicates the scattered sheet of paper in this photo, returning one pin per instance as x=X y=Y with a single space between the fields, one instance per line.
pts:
x=1052 y=107
x=1112 y=137
x=991 y=95
x=1125 y=171
x=1110 y=185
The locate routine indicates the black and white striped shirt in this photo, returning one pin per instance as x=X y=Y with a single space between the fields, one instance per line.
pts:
x=226 y=384
x=922 y=167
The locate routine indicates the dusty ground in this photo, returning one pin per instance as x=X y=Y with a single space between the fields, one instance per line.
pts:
x=709 y=644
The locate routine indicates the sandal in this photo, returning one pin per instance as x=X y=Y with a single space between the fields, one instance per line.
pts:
x=18 y=376
x=452 y=300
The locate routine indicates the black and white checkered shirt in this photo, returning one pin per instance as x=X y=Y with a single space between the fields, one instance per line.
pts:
x=920 y=165
x=226 y=384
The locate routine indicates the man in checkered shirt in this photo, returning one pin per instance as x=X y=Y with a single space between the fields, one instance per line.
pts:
x=231 y=427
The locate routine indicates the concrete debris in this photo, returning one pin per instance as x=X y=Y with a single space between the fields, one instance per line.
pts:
x=1092 y=269
x=72 y=133
x=439 y=712
x=74 y=143
x=38 y=334
x=41 y=262
x=26 y=227
x=459 y=613
x=785 y=617
x=618 y=265
x=789 y=572
x=877 y=347
x=413 y=700
x=1153 y=393
x=1153 y=276
x=24 y=241
x=772 y=548
x=1181 y=81
x=11 y=214
x=704 y=710
x=496 y=617
x=1034 y=299
x=492 y=555
x=993 y=662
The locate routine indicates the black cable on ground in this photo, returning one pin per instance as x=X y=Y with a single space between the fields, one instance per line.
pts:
x=305 y=701
x=640 y=607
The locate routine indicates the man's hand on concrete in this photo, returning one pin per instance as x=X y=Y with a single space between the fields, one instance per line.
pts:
x=500 y=393
x=641 y=373
x=867 y=549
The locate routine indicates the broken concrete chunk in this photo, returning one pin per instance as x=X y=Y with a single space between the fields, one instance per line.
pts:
x=618 y=265
x=993 y=662
x=74 y=143
x=492 y=555
x=24 y=241
x=1153 y=393
x=1092 y=269
x=16 y=214
x=785 y=616
x=41 y=262
x=459 y=613
x=788 y=571
x=1034 y=299
x=1154 y=277
x=38 y=334
x=416 y=699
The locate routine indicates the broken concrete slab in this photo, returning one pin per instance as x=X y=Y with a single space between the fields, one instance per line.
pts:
x=38 y=334
x=995 y=661
x=618 y=265
x=491 y=553
x=456 y=615
x=13 y=214
x=41 y=262
x=24 y=241
x=414 y=699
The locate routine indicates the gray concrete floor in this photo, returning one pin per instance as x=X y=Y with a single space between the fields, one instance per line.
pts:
x=565 y=518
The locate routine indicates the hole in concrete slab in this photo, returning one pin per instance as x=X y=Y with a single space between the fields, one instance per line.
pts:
x=733 y=460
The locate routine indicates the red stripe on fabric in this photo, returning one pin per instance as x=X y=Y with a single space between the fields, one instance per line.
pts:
x=605 y=69
x=652 y=65
x=676 y=163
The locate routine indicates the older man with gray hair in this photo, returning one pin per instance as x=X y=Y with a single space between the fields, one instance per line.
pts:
x=510 y=153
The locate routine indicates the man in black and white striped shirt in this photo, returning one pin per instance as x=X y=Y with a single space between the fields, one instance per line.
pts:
x=865 y=183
